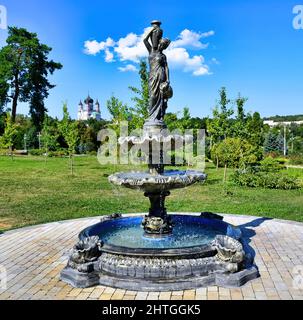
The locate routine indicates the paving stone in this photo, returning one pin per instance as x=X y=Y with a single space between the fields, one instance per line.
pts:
x=212 y=295
x=34 y=258
x=105 y=296
x=141 y=295
x=164 y=295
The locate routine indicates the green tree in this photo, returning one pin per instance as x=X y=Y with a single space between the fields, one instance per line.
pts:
x=49 y=136
x=10 y=131
x=234 y=153
x=69 y=131
x=171 y=120
x=23 y=73
x=219 y=127
x=239 y=125
x=119 y=112
x=88 y=138
x=185 y=121
x=273 y=142
x=141 y=98
x=255 y=129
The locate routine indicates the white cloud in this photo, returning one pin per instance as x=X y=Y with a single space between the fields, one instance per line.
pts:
x=131 y=48
x=188 y=38
x=109 y=56
x=179 y=58
x=129 y=67
x=94 y=47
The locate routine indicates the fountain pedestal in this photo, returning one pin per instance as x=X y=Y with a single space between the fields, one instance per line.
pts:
x=157 y=223
x=157 y=201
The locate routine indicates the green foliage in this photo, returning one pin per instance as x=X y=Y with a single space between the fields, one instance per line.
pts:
x=255 y=129
x=296 y=145
x=296 y=160
x=185 y=121
x=239 y=125
x=262 y=179
x=171 y=120
x=50 y=154
x=119 y=112
x=10 y=131
x=235 y=153
x=219 y=127
x=36 y=152
x=141 y=98
x=298 y=117
x=270 y=164
x=49 y=135
x=24 y=68
x=58 y=153
x=32 y=138
x=69 y=130
x=273 y=142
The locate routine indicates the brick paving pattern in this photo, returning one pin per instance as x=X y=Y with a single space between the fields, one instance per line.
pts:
x=33 y=258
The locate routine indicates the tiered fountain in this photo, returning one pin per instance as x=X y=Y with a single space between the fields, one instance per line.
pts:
x=159 y=251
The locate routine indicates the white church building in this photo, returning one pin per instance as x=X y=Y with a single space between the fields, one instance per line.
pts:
x=89 y=110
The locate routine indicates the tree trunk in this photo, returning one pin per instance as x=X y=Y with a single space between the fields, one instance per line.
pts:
x=217 y=166
x=17 y=88
x=15 y=97
x=11 y=152
x=71 y=161
x=225 y=173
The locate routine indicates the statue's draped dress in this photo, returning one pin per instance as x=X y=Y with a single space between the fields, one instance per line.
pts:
x=157 y=76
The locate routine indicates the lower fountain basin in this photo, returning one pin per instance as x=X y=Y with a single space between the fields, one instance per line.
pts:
x=200 y=252
x=191 y=235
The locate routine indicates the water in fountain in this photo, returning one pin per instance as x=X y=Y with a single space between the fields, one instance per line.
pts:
x=188 y=231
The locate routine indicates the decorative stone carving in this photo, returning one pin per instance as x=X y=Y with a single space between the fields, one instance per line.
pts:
x=157 y=225
x=210 y=215
x=111 y=217
x=229 y=249
x=115 y=215
x=171 y=179
x=85 y=253
x=217 y=263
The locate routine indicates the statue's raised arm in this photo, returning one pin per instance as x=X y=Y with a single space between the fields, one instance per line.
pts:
x=146 y=40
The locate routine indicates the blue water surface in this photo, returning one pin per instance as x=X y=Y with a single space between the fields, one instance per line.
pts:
x=188 y=231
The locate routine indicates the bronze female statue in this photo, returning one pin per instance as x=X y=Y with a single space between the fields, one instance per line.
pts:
x=159 y=86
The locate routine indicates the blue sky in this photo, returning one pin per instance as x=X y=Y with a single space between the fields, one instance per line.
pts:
x=248 y=46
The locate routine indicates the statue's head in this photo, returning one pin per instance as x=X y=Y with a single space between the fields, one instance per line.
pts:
x=164 y=43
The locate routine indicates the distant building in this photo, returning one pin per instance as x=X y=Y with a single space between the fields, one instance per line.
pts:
x=272 y=123
x=89 y=110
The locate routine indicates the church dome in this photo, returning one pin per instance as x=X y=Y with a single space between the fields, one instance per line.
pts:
x=88 y=100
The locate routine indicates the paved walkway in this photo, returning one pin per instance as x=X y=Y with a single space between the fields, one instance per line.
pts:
x=34 y=257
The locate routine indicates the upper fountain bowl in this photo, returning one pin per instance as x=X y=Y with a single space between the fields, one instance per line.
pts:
x=170 y=179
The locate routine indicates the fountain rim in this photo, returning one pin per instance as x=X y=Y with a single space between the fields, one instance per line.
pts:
x=206 y=250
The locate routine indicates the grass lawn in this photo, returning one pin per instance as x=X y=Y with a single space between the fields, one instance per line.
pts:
x=32 y=192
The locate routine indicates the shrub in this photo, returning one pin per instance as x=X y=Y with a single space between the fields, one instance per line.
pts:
x=296 y=159
x=270 y=164
x=270 y=180
x=59 y=153
x=235 y=153
x=273 y=142
x=36 y=152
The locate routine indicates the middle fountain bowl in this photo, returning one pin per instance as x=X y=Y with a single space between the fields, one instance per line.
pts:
x=147 y=182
